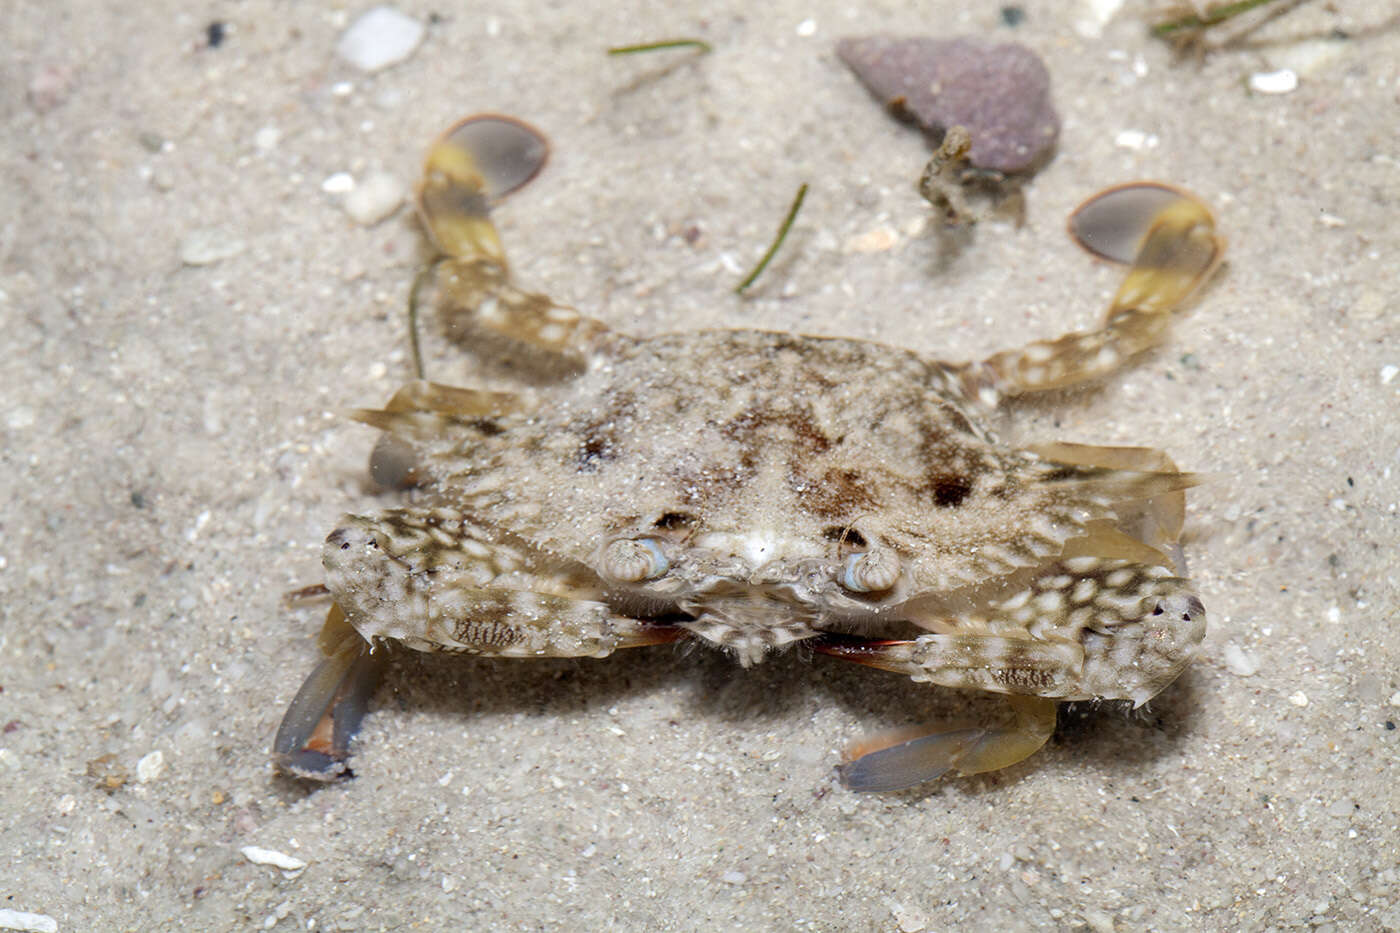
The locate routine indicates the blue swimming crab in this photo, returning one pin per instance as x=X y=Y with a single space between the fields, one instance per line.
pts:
x=752 y=490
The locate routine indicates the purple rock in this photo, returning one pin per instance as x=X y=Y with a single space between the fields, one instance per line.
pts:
x=1000 y=91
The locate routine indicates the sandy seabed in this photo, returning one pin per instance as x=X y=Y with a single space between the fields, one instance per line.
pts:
x=174 y=456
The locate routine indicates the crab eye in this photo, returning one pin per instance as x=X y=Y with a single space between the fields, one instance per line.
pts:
x=632 y=560
x=870 y=571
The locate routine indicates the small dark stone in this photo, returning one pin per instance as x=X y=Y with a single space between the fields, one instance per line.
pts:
x=999 y=91
x=215 y=33
x=1013 y=16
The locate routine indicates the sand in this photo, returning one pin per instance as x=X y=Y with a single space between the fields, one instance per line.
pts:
x=174 y=455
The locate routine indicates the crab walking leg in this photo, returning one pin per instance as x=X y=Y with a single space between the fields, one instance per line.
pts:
x=1159 y=520
x=422 y=410
x=1176 y=250
x=467 y=170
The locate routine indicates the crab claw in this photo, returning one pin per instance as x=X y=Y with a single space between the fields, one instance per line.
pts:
x=313 y=741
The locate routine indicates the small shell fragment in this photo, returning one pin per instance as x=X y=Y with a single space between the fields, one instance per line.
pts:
x=23 y=920
x=374 y=199
x=260 y=856
x=381 y=37
x=1241 y=663
x=1283 y=81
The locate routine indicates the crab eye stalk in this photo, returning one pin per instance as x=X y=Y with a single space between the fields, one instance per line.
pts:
x=872 y=571
x=633 y=560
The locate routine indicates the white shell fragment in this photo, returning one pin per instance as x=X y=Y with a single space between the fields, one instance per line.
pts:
x=33 y=923
x=1240 y=662
x=381 y=37
x=150 y=767
x=260 y=856
x=1283 y=81
x=374 y=198
x=206 y=247
x=338 y=183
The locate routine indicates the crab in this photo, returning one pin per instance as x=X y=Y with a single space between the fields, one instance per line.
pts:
x=752 y=490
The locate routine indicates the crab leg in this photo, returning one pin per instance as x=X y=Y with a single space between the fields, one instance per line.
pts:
x=468 y=170
x=434 y=580
x=1107 y=620
x=1159 y=520
x=313 y=740
x=1170 y=240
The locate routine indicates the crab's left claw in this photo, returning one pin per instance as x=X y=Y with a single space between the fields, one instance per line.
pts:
x=899 y=761
x=313 y=741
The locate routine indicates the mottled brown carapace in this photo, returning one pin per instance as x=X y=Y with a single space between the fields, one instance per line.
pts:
x=751 y=489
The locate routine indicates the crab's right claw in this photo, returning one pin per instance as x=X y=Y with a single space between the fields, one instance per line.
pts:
x=313 y=741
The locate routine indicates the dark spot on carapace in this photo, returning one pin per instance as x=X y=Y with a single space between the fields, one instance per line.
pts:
x=836 y=494
x=599 y=446
x=674 y=520
x=748 y=428
x=950 y=489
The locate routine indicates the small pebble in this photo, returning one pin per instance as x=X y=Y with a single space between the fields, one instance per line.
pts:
x=1136 y=139
x=339 y=183
x=999 y=91
x=374 y=199
x=733 y=877
x=1094 y=16
x=267 y=138
x=878 y=240
x=32 y=923
x=1388 y=373
x=1283 y=81
x=1299 y=699
x=150 y=767
x=381 y=37
x=206 y=247
x=1239 y=662
x=19 y=418
x=909 y=921
x=260 y=856
x=49 y=86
